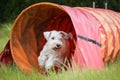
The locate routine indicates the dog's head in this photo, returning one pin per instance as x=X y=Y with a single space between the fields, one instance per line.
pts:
x=58 y=46
x=57 y=40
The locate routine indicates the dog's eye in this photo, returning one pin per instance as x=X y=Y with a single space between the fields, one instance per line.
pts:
x=52 y=38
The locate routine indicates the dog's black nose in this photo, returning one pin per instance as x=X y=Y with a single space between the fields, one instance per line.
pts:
x=58 y=45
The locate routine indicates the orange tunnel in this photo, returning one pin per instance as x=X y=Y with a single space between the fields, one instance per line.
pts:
x=95 y=31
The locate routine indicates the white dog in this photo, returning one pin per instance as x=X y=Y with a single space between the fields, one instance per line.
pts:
x=56 y=49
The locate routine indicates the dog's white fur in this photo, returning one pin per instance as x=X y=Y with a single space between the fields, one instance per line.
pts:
x=55 y=50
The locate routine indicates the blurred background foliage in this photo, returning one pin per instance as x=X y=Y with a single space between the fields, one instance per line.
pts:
x=9 y=9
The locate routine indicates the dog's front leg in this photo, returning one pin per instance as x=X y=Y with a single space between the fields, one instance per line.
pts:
x=49 y=63
x=41 y=60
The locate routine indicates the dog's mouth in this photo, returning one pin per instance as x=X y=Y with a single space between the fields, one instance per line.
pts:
x=56 y=48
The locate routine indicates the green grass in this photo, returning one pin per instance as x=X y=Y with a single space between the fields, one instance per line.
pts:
x=12 y=72
x=4 y=34
x=111 y=72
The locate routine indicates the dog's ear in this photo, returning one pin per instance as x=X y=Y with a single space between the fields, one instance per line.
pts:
x=65 y=35
x=70 y=35
x=47 y=34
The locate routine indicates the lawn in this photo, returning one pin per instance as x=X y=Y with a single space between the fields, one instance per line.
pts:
x=12 y=72
x=4 y=34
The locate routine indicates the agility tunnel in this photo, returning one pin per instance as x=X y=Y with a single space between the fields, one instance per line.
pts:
x=96 y=33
